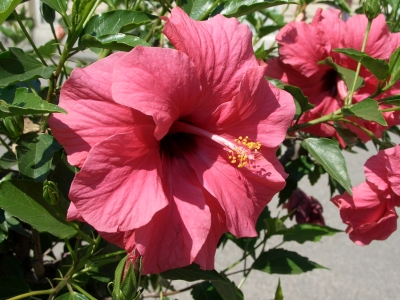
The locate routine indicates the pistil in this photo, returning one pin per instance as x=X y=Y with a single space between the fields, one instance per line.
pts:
x=241 y=151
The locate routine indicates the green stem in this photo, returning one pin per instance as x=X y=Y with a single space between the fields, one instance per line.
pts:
x=369 y=133
x=101 y=257
x=91 y=13
x=33 y=293
x=331 y=117
x=349 y=99
x=209 y=11
x=6 y=145
x=71 y=251
x=31 y=88
x=244 y=279
x=2 y=47
x=390 y=109
x=137 y=4
x=81 y=233
x=53 y=31
x=81 y=290
x=29 y=37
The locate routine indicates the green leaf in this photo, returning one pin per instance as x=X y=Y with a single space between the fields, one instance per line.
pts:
x=59 y=6
x=15 y=65
x=80 y=11
x=205 y=291
x=281 y=261
x=278 y=292
x=339 y=4
x=349 y=137
x=11 y=286
x=191 y=273
x=378 y=67
x=228 y=290
x=346 y=74
x=237 y=8
x=72 y=296
x=300 y=100
x=26 y=103
x=393 y=100
x=367 y=109
x=35 y=154
x=8 y=160
x=308 y=232
x=116 y=21
x=200 y=8
x=327 y=153
x=48 y=14
x=24 y=200
x=6 y=8
x=394 y=66
x=118 y=42
x=47 y=50
x=11 y=266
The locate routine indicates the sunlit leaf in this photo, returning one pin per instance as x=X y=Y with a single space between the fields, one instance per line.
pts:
x=228 y=290
x=25 y=103
x=327 y=153
x=24 y=199
x=6 y=8
x=378 y=67
x=281 y=261
x=35 y=153
x=308 y=232
x=367 y=109
x=118 y=42
x=15 y=65
x=237 y=8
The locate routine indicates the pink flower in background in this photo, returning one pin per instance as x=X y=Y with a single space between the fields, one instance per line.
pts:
x=370 y=213
x=175 y=147
x=307 y=209
x=302 y=46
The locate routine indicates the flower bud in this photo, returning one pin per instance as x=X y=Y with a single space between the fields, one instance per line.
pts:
x=48 y=14
x=127 y=278
x=307 y=209
x=13 y=126
x=50 y=192
x=372 y=8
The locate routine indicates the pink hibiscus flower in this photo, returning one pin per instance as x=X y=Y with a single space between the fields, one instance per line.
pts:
x=298 y=59
x=175 y=147
x=370 y=213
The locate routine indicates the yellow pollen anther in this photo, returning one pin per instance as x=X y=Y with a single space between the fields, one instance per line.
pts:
x=244 y=152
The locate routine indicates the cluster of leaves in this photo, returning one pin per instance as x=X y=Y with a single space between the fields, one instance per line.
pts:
x=36 y=177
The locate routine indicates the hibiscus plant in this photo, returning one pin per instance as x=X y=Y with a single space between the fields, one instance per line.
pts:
x=145 y=135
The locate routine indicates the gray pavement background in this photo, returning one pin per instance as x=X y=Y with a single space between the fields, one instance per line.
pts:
x=363 y=273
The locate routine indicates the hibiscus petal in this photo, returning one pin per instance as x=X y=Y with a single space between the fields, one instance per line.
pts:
x=242 y=193
x=92 y=114
x=393 y=168
x=370 y=216
x=175 y=235
x=221 y=50
x=376 y=172
x=296 y=49
x=159 y=82
x=124 y=239
x=206 y=255
x=118 y=187
x=260 y=111
x=378 y=38
x=73 y=213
